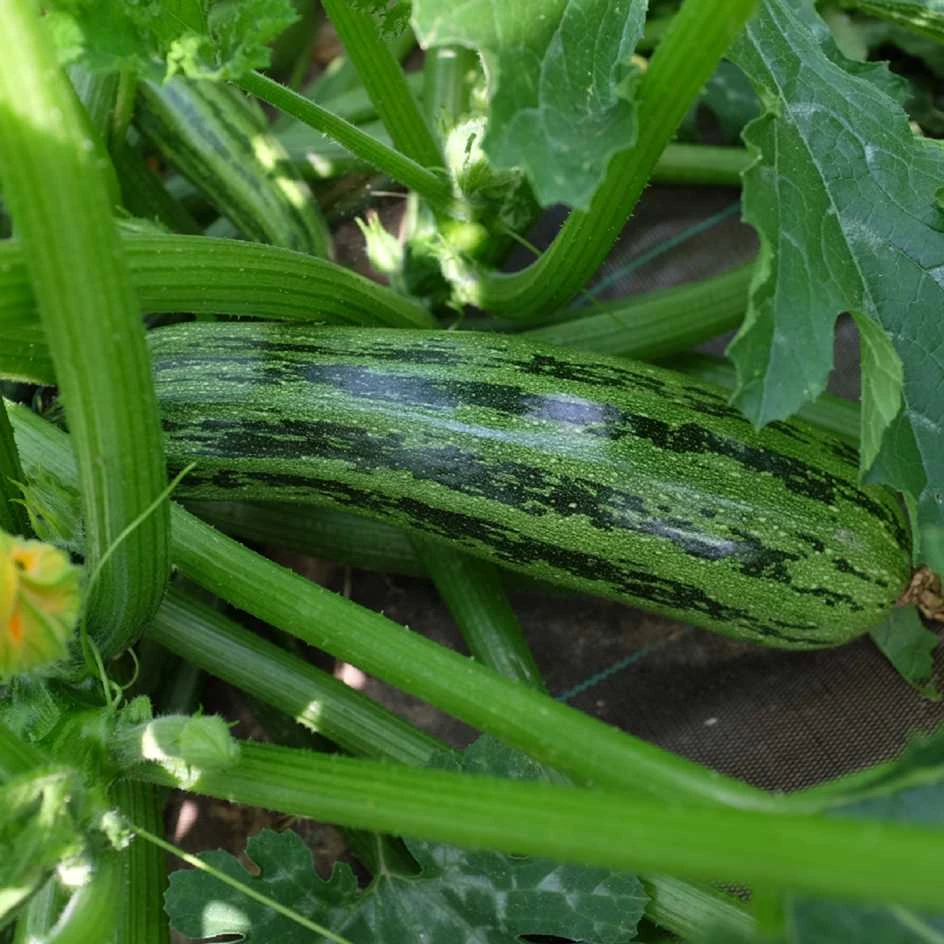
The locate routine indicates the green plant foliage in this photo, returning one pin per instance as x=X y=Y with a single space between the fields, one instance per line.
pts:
x=203 y=39
x=730 y=98
x=485 y=897
x=910 y=648
x=393 y=16
x=821 y=922
x=921 y=16
x=37 y=830
x=559 y=75
x=865 y=237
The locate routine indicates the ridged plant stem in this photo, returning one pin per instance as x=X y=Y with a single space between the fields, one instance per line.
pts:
x=55 y=182
x=819 y=855
x=141 y=917
x=687 y=55
x=473 y=591
x=385 y=83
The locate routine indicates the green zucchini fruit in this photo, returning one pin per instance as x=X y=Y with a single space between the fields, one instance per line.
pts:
x=218 y=139
x=607 y=476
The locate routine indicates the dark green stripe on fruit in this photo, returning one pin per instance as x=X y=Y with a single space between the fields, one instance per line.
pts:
x=615 y=478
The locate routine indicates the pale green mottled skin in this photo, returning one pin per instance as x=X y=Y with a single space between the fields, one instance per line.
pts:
x=610 y=477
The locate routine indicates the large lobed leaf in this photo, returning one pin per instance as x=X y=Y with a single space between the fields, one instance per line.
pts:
x=203 y=39
x=474 y=897
x=843 y=196
x=560 y=83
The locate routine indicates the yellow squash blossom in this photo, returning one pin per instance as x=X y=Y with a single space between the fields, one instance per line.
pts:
x=39 y=604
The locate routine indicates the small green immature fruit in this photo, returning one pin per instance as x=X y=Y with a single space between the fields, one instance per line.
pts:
x=39 y=604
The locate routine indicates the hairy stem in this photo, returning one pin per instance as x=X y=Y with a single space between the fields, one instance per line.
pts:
x=57 y=190
x=687 y=55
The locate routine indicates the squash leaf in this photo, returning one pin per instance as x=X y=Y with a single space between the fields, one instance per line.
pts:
x=910 y=648
x=202 y=39
x=559 y=75
x=842 y=194
x=458 y=895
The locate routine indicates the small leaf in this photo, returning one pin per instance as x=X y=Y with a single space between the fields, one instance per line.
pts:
x=39 y=604
x=910 y=648
x=560 y=76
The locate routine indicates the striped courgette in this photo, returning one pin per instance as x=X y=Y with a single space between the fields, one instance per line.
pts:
x=611 y=477
x=218 y=139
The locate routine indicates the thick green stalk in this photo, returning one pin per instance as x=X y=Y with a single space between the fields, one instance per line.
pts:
x=385 y=83
x=818 y=855
x=687 y=55
x=13 y=516
x=56 y=188
x=313 y=698
x=576 y=744
x=473 y=591
x=701 y=164
x=205 y=638
x=98 y=93
x=431 y=186
x=580 y=746
x=226 y=276
x=141 y=917
x=657 y=324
